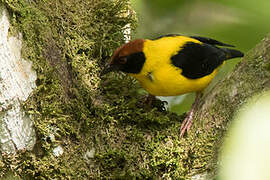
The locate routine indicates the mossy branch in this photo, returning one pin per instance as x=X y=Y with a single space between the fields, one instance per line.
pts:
x=99 y=123
x=214 y=114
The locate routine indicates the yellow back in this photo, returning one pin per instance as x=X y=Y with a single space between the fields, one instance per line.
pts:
x=166 y=79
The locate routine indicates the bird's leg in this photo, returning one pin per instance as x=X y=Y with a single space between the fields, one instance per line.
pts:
x=149 y=100
x=186 y=124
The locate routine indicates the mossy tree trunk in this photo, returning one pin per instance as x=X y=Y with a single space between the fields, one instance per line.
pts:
x=250 y=77
x=91 y=127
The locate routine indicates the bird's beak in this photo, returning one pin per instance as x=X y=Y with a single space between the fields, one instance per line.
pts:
x=109 y=68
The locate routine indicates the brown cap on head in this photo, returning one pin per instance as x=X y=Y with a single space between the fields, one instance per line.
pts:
x=120 y=55
x=127 y=49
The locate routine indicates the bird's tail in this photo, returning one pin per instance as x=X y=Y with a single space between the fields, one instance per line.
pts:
x=232 y=53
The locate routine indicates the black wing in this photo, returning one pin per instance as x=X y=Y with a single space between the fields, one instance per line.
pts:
x=199 y=38
x=198 y=60
x=210 y=41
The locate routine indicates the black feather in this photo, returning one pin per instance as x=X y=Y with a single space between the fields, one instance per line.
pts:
x=134 y=63
x=210 y=41
x=232 y=53
x=199 y=60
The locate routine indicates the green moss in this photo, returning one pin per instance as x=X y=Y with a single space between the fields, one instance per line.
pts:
x=68 y=43
x=214 y=115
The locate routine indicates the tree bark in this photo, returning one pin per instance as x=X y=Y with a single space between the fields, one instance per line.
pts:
x=88 y=127
x=250 y=77
x=17 y=81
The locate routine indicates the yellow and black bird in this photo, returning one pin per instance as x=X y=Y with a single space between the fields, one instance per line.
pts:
x=172 y=65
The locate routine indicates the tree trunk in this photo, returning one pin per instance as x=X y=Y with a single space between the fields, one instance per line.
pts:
x=250 y=77
x=88 y=127
x=17 y=82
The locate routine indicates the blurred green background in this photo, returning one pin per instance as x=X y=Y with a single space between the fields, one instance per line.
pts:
x=242 y=23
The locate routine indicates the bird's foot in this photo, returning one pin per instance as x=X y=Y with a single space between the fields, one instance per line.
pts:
x=146 y=102
x=151 y=101
x=186 y=124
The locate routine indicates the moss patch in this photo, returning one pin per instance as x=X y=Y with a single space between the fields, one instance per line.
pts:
x=221 y=103
x=72 y=106
x=68 y=41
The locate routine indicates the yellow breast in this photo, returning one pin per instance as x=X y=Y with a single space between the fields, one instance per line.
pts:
x=159 y=77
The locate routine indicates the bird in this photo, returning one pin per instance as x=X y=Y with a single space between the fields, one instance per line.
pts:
x=172 y=65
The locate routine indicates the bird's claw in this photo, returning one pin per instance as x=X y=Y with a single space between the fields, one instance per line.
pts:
x=186 y=124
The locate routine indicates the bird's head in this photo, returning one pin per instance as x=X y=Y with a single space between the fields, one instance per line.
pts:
x=128 y=58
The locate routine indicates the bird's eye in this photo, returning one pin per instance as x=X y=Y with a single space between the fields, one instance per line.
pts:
x=122 y=60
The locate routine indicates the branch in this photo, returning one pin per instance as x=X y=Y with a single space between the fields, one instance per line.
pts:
x=250 y=76
x=92 y=128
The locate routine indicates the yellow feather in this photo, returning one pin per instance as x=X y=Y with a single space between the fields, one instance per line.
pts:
x=166 y=79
